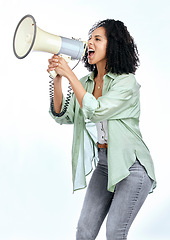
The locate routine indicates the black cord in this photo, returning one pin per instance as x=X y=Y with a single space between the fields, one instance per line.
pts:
x=68 y=97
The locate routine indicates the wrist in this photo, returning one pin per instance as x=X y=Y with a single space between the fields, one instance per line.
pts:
x=71 y=76
x=57 y=79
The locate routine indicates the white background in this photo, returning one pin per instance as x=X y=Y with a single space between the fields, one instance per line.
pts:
x=36 y=200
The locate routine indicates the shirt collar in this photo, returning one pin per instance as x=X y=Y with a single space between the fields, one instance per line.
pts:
x=109 y=74
x=90 y=77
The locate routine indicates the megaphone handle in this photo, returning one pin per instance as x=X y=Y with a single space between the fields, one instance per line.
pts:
x=53 y=74
x=67 y=58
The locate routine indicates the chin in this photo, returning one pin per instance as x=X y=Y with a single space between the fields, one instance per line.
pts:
x=91 y=62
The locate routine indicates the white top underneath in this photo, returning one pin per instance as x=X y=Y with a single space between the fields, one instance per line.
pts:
x=102 y=132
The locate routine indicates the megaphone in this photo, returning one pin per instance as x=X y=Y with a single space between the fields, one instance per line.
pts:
x=28 y=37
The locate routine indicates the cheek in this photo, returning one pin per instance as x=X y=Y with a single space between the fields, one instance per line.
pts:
x=103 y=48
x=104 y=51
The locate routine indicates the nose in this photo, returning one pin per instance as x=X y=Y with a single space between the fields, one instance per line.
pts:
x=90 y=42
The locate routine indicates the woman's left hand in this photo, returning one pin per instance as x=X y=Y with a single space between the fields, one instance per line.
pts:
x=60 y=65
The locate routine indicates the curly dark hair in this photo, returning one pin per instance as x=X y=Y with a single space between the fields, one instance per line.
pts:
x=121 y=54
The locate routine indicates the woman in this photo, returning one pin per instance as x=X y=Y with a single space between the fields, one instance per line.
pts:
x=105 y=112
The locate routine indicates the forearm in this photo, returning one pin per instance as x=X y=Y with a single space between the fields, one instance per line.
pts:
x=58 y=95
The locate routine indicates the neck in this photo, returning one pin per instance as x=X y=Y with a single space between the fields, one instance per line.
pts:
x=101 y=71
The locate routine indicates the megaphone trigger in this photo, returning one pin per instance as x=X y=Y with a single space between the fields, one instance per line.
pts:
x=66 y=57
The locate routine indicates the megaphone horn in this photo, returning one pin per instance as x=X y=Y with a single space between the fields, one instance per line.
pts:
x=28 y=37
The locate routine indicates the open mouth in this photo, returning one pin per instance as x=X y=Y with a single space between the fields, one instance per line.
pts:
x=91 y=52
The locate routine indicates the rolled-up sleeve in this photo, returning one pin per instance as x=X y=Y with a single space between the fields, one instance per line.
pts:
x=90 y=104
x=119 y=102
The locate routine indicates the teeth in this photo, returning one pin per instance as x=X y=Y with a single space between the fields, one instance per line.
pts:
x=91 y=50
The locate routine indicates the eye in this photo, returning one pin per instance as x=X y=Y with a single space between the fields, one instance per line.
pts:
x=97 y=39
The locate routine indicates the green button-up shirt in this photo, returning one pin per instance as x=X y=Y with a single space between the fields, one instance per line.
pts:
x=120 y=106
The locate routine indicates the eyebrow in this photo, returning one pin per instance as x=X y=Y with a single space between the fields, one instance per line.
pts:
x=98 y=36
x=95 y=36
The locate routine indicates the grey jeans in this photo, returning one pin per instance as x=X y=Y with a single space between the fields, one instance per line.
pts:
x=121 y=206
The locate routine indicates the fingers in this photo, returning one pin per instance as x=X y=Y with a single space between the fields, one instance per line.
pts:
x=53 y=63
x=51 y=67
x=58 y=64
